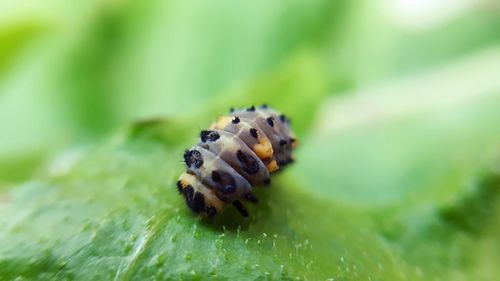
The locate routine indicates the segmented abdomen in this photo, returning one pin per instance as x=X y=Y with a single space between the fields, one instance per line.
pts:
x=238 y=152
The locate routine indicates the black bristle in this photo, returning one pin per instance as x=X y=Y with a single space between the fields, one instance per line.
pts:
x=235 y=120
x=248 y=163
x=283 y=118
x=193 y=158
x=270 y=121
x=208 y=135
x=251 y=108
x=283 y=142
x=224 y=182
x=215 y=176
x=253 y=132
x=231 y=110
x=204 y=135
x=264 y=106
x=267 y=181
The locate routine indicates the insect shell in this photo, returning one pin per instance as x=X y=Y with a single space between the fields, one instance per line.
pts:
x=238 y=152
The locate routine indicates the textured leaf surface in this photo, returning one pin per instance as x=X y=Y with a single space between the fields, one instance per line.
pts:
x=115 y=214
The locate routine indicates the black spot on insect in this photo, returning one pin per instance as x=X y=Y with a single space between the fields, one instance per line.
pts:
x=208 y=135
x=235 y=120
x=283 y=142
x=251 y=108
x=264 y=106
x=225 y=183
x=193 y=158
x=248 y=163
x=179 y=186
x=216 y=176
x=197 y=203
x=211 y=211
x=270 y=121
x=253 y=132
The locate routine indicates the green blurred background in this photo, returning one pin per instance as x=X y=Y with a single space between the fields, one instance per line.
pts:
x=72 y=72
x=396 y=104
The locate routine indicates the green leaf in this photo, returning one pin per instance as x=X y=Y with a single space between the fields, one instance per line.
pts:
x=112 y=211
x=417 y=140
x=13 y=38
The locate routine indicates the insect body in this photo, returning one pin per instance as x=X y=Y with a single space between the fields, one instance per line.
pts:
x=238 y=152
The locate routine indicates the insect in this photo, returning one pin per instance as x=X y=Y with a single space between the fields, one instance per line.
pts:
x=236 y=153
